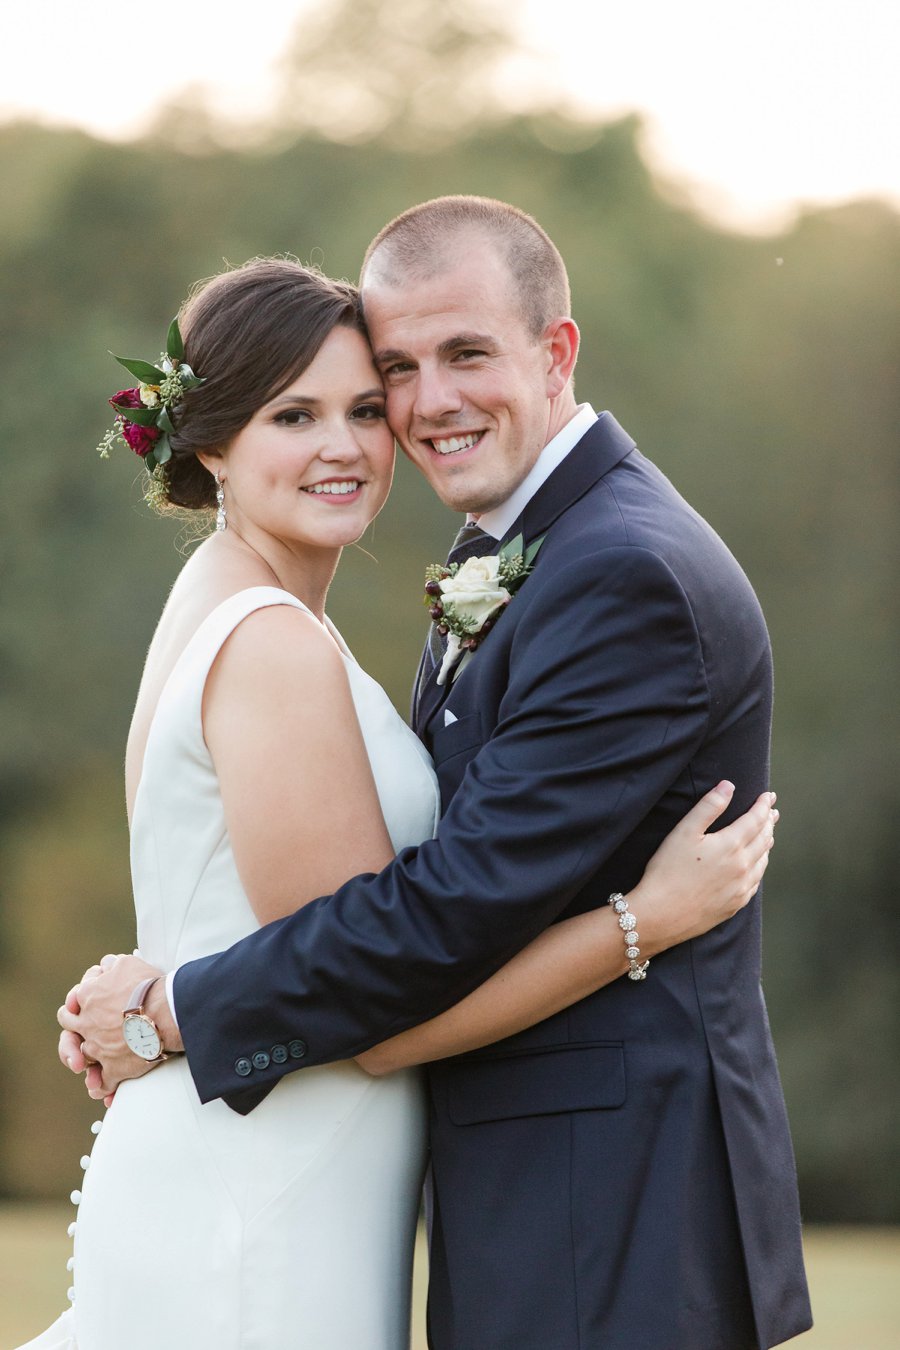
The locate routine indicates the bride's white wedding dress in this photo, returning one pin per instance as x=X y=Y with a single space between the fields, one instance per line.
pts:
x=293 y=1226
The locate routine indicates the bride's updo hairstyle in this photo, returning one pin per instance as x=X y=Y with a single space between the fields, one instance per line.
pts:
x=249 y=333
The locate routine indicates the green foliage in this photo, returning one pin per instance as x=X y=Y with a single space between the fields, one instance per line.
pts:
x=410 y=73
x=66 y=884
x=756 y=372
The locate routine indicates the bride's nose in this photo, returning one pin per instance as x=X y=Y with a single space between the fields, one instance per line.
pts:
x=339 y=445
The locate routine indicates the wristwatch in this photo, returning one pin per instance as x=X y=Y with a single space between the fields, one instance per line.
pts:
x=140 y=1031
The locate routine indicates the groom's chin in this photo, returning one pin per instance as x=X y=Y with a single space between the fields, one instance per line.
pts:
x=457 y=491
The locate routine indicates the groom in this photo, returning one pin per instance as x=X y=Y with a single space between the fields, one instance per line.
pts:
x=619 y=1177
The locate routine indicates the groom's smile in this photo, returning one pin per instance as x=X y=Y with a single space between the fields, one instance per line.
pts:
x=454 y=445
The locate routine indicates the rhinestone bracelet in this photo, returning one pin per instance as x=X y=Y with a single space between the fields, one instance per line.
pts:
x=628 y=925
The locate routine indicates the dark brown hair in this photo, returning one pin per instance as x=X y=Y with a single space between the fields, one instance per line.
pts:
x=418 y=243
x=249 y=333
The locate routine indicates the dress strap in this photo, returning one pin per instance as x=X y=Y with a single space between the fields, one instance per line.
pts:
x=206 y=643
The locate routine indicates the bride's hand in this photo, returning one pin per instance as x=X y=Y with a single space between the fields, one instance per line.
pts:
x=696 y=880
x=91 y=1020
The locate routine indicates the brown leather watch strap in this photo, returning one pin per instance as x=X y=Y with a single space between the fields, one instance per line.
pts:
x=139 y=993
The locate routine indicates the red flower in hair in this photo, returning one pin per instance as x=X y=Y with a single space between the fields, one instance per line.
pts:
x=144 y=414
x=141 y=439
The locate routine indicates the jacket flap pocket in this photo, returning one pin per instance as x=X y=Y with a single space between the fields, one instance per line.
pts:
x=564 y=1078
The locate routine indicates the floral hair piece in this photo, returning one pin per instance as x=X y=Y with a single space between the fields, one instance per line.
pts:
x=144 y=415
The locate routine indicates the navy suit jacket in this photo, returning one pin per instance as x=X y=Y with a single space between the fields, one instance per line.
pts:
x=619 y=1177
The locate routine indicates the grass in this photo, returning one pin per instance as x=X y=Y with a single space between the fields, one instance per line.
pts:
x=853 y=1273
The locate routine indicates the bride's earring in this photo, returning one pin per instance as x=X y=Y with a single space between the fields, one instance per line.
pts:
x=221 y=521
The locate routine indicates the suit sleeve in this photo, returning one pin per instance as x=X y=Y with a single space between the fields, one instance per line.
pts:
x=606 y=704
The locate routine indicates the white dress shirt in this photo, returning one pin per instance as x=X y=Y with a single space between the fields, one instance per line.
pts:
x=498 y=520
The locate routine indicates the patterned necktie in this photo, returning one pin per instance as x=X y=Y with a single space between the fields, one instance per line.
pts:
x=466 y=537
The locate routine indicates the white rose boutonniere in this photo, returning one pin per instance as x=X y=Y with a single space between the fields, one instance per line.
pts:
x=465 y=600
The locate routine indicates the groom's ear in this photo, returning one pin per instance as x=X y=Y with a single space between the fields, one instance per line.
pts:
x=560 y=340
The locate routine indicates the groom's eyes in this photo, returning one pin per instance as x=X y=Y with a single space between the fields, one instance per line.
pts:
x=392 y=371
x=396 y=369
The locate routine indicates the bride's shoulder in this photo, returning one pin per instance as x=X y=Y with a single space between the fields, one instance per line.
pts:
x=278 y=681
x=277 y=647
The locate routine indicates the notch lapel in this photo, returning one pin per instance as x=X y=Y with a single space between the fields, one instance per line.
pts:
x=603 y=445
x=601 y=448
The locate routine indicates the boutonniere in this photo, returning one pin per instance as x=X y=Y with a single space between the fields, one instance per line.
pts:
x=466 y=599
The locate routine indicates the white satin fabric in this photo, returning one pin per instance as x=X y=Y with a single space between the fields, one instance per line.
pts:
x=291 y=1228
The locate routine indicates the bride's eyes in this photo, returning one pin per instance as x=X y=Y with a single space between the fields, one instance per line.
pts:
x=368 y=412
x=296 y=417
x=292 y=417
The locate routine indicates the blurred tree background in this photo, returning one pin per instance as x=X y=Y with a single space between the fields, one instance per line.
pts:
x=759 y=373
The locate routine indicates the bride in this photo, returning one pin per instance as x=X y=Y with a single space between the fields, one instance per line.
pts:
x=262 y=763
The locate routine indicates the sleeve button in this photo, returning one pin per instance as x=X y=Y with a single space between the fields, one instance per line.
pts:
x=261 y=1060
x=243 y=1068
x=297 y=1049
x=279 y=1054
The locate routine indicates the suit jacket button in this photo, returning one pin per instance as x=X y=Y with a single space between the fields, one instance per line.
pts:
x=279 y=1054
x=297 y=1049
x=243 y=1067
x=260 y=1060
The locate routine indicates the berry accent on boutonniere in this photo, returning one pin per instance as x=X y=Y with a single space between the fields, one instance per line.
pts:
x=466 y=599
x=144 y=415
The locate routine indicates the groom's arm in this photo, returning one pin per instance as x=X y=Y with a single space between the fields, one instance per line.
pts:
x=606 y=704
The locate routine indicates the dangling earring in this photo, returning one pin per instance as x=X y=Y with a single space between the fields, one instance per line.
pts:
x=221 y=521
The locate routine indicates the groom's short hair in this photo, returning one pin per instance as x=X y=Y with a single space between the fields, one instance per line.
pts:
x=417 y=244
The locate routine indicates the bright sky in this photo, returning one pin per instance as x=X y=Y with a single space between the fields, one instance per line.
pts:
x=758 y=104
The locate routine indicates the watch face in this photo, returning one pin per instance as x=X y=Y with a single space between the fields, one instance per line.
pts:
x=141 y=1036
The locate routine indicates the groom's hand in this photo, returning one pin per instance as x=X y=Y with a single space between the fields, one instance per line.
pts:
x=91 y=1021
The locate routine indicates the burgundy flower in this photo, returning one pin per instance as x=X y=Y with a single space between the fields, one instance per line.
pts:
x=129 y=398
x=141 y=439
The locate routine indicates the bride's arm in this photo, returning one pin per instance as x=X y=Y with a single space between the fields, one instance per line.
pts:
x=694 y=881
x=300 y=802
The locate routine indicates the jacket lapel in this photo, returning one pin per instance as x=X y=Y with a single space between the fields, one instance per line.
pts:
x=603 y=446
